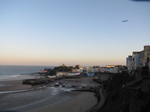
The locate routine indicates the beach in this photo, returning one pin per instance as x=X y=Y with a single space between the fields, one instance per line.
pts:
x=13 y=85
x=79 y=103
x=46 y=97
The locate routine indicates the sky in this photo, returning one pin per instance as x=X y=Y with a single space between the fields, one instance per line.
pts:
x=84 y=32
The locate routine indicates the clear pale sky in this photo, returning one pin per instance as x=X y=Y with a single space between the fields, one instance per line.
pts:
x=85 y=32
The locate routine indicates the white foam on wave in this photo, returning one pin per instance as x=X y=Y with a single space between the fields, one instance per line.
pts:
x=4 y=92
x=57 y=90
x=15 y=77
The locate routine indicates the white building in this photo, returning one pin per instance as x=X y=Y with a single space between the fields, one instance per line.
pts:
x=136 y=60
x=96 y=69
x=58 y=74
x=129 y=63
x=139 y=60
x=103 y=69
x=77 y=68
x=112 y=68
x=93 y=69
x=73 y=73
x=116 y=69
x=89 y=69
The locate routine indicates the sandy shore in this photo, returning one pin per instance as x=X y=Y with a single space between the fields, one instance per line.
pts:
x=45 y=98
x=13 y=85
x=80 y=103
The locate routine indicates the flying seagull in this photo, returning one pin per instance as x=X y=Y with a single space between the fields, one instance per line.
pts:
x=124 y=20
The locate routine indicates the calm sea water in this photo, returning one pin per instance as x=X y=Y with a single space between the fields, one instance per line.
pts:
x=19 y=72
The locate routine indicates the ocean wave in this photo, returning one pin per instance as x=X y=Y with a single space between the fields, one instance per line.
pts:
x=19 y=72
x=16 y=77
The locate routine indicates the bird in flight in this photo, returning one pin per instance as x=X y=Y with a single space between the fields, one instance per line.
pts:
x=124 y=20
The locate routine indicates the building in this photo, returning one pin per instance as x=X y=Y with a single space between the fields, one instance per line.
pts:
x=73 y=73
x=138 y=60
x=112 y=69
x=145 y=56
x=59 y=74
x=129 y=63
x=77 y=68
x=88 y=69
x=109 y=66
x=103 y=69
x=96 y=69
x=93 y=69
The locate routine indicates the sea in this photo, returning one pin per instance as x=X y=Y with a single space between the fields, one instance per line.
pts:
x=13 y=72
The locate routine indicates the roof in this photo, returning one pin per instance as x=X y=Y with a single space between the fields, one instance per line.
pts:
x=136 y=52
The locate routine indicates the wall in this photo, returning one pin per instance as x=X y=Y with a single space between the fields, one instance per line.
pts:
x=61 y=74
x=72 y=73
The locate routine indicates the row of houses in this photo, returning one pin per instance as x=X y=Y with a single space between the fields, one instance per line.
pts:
x=78 y=69
x=139 y=60
x=75 y=70
x=64 y=70
x=106 y=69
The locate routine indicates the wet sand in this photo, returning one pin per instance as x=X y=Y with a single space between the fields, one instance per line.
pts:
x=13 y=85
x=45 y=98
x=80 y=103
